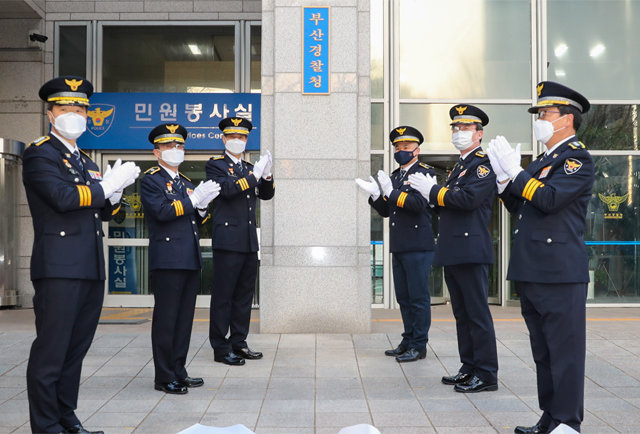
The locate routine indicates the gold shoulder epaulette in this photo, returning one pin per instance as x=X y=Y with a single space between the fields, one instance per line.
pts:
x=152 y=170
x=39 y=141
x=577 y=145
x=425 y=165
x=481 y=154
x=184 y=176
x=219 y=157
x=86 y=154
x=249 y=163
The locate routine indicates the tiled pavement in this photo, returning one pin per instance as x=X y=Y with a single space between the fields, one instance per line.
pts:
x=319 y=383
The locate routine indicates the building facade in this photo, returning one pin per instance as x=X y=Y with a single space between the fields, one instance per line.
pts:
x=392 y=62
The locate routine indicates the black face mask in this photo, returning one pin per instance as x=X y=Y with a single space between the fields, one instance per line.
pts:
x=403 y=157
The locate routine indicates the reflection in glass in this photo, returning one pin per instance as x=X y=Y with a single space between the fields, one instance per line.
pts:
x=256 y=55
x=613 y=229
x=378 y=136
x=73 y=51
x=479 y=50
x=168 y=59
x=594 y=47
x=511 y=121
x=376 y=74
x=610 y=127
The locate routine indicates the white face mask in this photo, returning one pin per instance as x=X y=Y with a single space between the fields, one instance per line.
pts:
x=462 y=139
x=173 y=157
x=543 y=130
x=70 y=125
x=235 y=146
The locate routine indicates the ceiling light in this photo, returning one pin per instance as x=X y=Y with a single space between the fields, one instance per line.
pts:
x=560 y=50
x=195 y=50
x=597 y=50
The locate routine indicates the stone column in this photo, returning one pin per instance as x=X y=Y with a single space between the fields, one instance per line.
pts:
x=315 y=270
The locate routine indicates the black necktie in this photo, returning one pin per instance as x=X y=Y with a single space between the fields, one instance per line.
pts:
x=239 y=168
x=178 y=183
x=76 y=155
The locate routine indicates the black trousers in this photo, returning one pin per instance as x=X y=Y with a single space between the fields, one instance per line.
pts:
x=234 y=283
x=67 y=313
x=174 y=293
x=468 y=286
x=555 y=315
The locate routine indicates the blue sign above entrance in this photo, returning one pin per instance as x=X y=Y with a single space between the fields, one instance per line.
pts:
x=124 y=120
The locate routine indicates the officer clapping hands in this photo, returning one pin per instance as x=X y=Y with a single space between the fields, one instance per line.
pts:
x=385 y=183
x=119 y=177
x=503 y=157
x=204 y=193
x=259 y=169
x=423 y=183
x=370 y=187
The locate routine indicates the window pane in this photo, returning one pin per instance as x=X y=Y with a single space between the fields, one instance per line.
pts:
x=612 y=231
x=377 y=48
x=378 y=135
x=168 y=59
x=256 y=51
x=610 y=127
x=511 y=121
x=480 y=50
x=73 y=51
x=594 y=46
x=377 y=250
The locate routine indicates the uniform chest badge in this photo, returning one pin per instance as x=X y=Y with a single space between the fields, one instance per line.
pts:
x=544 y=172
x=483 y=171
x=66 y=163
x=189 y=191
x=170 y=188
x=571 y=166
x=464 y=172
x=94 y=174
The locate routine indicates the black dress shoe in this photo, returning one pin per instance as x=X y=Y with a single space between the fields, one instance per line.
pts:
x=81 y=430
x=536 y=429
x=459 y=378
x=411 y=355
x=229 y=359
x=246 y=353
x=475 y=385
x=175 y=387
x=192 y=382
x=397 y=351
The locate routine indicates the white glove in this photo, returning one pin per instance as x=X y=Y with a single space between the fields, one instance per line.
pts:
x=119 y=178
x=508 y=158
x=116 y=196
x=258 y=168
x=422 y=183
x=370 y=187
x=385 y=183
x=267 y=169
x=206 y=193
x=501 y=175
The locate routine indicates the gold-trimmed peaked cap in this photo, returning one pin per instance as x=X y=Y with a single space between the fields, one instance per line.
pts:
x=167 y=133
x=235 y=126
x=552 y=94
x=67 y=90
x=405 y=133
x=467 y=114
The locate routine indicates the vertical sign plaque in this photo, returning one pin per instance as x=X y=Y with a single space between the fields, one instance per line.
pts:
x=316 y=50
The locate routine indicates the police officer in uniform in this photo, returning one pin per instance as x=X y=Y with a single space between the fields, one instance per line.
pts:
x=68 y=199
x=235 y=241
x=173 y=209
x=549 y=262
x=411 y=240
x=464 y=248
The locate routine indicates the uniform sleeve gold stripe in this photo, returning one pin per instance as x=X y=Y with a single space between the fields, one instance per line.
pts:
x=401 y=198
x=531 y=186
x=85 y=195
x=242 y=182
x=441 y=194
x=115 y=211
x=246 y=183
x=178 y=206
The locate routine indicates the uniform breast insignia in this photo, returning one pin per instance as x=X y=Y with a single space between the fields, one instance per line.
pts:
x=189 y=191
x=94 y=174
x=464 y=172
x=170 y=188
x=544 y=172
x=231 y=172
x=66 y=163
x=483 y=171
x=571 y=166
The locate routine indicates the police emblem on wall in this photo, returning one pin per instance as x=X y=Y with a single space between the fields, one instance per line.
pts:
x=613 y=204
x=100 y=118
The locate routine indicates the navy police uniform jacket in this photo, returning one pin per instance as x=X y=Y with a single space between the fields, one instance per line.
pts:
x=464 y=206
x=174 y=239
x=550 y=200
x=234 y=210
x=410 y=216
x=68 y=207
